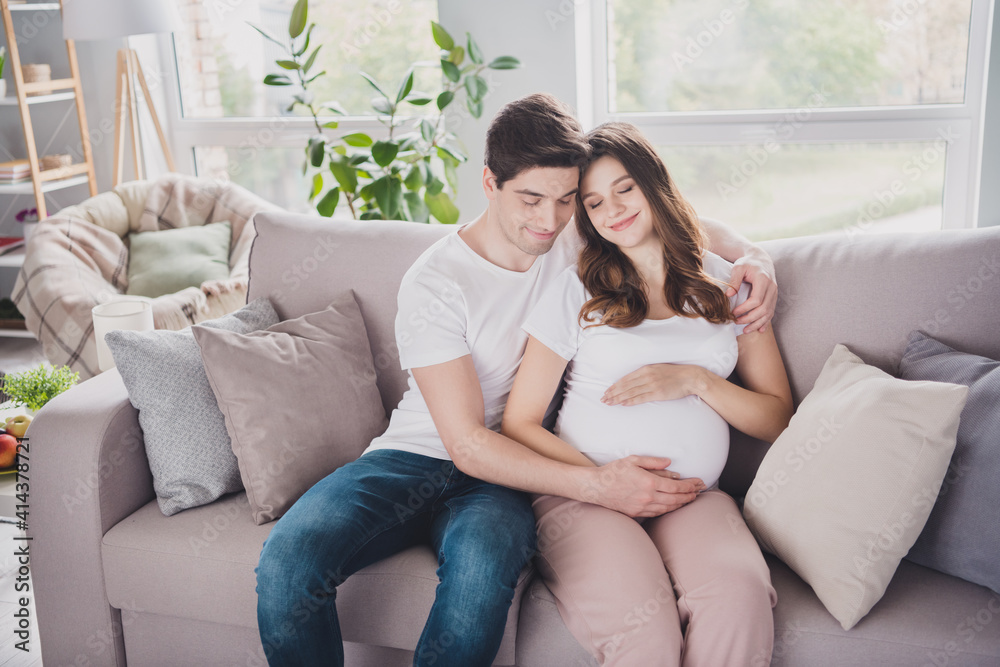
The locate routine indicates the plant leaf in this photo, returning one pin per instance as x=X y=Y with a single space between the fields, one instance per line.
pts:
x=374 y=85
x=331 y=125
x=405 y=87
x=457 y=55
x=317 y=150
x=297 y=21
x=475 y=107
x=415 y=206
x=317 y=185
x=288 y=64
x=442 y=207
x=382 y=105
x=504 y=62
x=444 y=99
x=305 y=44
x=475 y=55
x=414 y=178
x=384 y=152
x=357 y=139
x=419 y=101
x=450 y=154
x=328 y=204
x=345 y=174
x=450 y=70
x=441 y=37
x=277 y=80
x=434 y=185
x=335 y=107
x=427 y=130
x=388 y=193
x=312 y=59
x=268 y=36
x=476 y=87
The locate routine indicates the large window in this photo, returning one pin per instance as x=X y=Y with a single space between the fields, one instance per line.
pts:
x=228 y=124
x=789 y=117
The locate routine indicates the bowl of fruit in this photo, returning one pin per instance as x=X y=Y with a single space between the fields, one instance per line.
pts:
x=10 y=435
x=28 y=391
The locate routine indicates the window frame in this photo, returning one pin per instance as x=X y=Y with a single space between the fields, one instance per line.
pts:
x=922 y=123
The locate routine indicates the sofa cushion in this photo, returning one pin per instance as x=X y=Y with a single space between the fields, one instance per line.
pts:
x=924 y=616
x=843 y=492
x=199 y=564
x=184 y=432
x=962 y=535
x=299 y=399
x=170 y=260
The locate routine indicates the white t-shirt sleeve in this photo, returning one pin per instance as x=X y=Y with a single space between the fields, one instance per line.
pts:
x=722 y=270
x=554 y=321
x=431 y=322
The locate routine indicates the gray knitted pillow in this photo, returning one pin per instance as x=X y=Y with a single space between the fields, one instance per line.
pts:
x=962 y=535
x=188 y=447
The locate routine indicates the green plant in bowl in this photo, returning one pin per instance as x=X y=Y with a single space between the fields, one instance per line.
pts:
x=35 y=387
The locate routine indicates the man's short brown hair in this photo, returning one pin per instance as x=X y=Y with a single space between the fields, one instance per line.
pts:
x=534 y=131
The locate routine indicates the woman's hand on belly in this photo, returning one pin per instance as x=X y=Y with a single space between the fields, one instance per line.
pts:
x=654 y=382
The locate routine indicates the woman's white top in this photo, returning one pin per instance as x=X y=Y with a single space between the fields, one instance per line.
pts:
x=687 y=430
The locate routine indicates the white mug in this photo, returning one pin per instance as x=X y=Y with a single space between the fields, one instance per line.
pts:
x=123 y=313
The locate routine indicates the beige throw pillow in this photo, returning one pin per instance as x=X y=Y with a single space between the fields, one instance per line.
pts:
x=299 y=400
x=844 y=492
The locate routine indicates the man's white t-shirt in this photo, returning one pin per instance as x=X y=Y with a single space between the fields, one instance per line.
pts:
x=452 y=303
x=687 y=430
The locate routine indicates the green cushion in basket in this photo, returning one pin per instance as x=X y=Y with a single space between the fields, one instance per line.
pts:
x=168 y=261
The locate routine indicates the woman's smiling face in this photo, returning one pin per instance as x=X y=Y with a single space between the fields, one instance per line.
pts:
x=615 y=205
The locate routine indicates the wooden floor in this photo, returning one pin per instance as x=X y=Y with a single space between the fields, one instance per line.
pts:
x=10 y=655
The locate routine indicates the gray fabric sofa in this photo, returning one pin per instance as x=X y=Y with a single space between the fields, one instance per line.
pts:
x=117 y=583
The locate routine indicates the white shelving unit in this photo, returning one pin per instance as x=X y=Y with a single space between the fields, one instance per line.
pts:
x=26 y=188
x=35 y=7
x=11 y=101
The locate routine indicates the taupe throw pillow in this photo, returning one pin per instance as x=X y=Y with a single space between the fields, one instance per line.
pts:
x=842 y=494
x=299 y=399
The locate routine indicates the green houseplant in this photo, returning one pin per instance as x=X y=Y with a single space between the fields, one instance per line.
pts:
x=35 y=387
x=409 y=173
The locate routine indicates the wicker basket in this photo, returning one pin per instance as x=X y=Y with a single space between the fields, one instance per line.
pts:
x=35 y=73
x=55 y=161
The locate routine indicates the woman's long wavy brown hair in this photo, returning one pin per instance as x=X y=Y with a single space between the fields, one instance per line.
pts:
x=609 y=275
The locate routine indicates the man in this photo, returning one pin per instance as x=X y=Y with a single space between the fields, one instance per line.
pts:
x=461 y=306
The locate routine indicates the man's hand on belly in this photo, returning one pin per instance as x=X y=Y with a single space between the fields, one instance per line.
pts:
x=639 y=486
x=655 y=382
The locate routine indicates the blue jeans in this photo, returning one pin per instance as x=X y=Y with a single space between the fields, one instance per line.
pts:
x=371 y=508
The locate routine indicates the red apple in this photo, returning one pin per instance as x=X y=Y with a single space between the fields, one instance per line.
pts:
x=8 y=450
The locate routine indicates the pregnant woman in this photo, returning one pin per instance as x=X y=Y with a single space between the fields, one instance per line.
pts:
x=646 y=329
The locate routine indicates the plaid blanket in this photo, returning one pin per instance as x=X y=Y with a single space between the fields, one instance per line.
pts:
x=78 y=258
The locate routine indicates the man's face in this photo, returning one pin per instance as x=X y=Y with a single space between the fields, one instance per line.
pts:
x=533 y=207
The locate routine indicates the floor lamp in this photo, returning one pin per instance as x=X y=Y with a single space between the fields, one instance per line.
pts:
x=92 y=20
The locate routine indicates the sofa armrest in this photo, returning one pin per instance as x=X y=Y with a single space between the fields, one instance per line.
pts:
x=87 y=470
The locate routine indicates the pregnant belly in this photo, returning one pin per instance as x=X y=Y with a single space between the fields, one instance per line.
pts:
x=687 y=431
